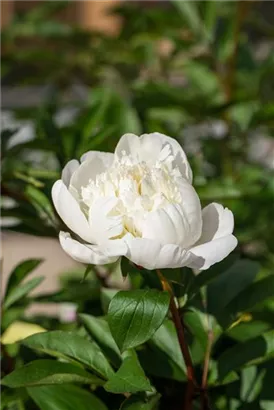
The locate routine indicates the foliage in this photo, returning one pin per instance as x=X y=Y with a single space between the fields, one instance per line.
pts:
x=191 y=70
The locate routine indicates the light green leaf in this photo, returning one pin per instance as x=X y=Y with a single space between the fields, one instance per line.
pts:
x=43 y=372
x=210 y=17
x=71 y=346
x=134 y=316
x=99 y=330
x=190 y=14
x=20 y=272
x=246 y=331
x=251 y=376
x=19 y=292
x=97 y=113
x=130 y=377
x=41 y=202
x=65 y=397
x=106 y=296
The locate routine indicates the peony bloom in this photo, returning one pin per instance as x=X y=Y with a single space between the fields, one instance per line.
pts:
x=140 y=203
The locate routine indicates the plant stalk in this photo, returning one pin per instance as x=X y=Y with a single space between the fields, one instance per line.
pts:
x=191 y=380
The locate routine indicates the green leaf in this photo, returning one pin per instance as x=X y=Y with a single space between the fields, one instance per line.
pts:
x=163 y=357
x=130 y=377
x=228 y=285
x=205 y=277
x=190 y=14
x=210 y=17
x=97 y=113
x=106 y=296
x=134 y=316
x=41 y=203
x=250 y=376
x=252 y=295
x=253 y=351
x=196 y=323
x=246 y=331
x=204 y=81
x=7 y=397
x=71 y=346
x=20 y=272
x=213 y=376
x=87 y=272
x=98 y=329
x=65 y=397
x=43 y=372
x=137 y=403
x=20 y=291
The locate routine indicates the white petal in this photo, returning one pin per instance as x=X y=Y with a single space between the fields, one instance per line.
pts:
x=153 y=144
x=166 y=225
x=83 y=252
x=217 y=222
x=114 y=248
x=212 y=252
x=151 y=147
x=105 y=224
x=151 y=254
x=130 y=144
x=69 y=170
x=191 y=212
x=95 y=163
x=70 y=212
x=106 y=157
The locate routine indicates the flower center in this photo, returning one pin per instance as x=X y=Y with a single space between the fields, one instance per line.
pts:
x=140 y=188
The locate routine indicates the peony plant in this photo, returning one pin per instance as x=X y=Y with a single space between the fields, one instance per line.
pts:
x=139 y=203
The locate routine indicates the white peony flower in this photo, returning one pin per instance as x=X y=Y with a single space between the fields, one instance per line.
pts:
x=140 y=203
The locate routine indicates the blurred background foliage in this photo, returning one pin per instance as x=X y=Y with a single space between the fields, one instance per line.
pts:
x=201 y=72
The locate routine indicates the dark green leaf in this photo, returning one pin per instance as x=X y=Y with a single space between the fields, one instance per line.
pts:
x=252 y=295
x=66 y=397
x=99 y=330
x=205 y=277
x=255 y=350
x=9 y=400
x=164 y=357
x=134 y=316
x=130 y=377
x=71 y=346
x=43 y=372
x=224 y=288
x=198 y=326
x=86 y=273
x=19 y=292
x=137 y=403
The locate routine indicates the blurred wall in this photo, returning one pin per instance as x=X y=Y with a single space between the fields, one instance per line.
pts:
x=88 y=14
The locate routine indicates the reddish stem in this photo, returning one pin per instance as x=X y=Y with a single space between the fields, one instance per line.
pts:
x=191 y=380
